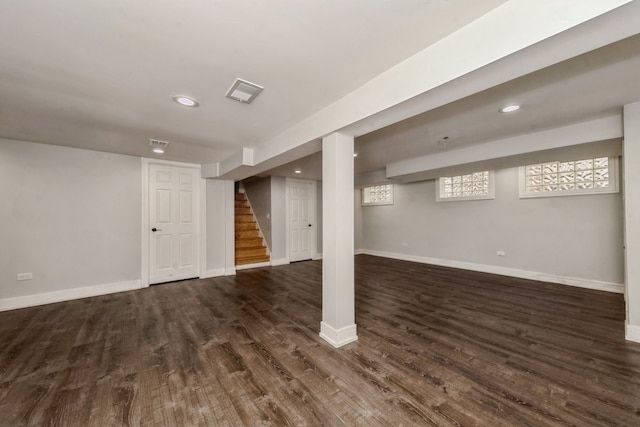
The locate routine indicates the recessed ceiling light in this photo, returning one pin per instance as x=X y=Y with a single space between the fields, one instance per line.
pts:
x=297 y=171
x=185 y=100
x=510 y=108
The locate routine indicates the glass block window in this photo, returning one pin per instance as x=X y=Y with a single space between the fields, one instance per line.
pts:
x=377 y=195
x=597 y=175
x=473 y=186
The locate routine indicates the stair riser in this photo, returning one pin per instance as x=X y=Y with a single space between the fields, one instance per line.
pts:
x=254 y=260
x=245 y=226
x=247 y=233
x=248 y=242
x=245 y=219
x=245 y=252
x=242 y=211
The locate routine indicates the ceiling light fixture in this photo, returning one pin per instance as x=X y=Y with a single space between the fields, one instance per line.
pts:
x=158 y=146
x=510 y=108
x=297 y=171
x=355 y=154
x=186 y=101
x=243 y=91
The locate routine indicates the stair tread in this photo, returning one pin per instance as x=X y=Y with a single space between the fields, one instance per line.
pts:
x=252 y=260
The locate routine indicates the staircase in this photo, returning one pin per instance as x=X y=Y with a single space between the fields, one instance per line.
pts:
x=250 y=248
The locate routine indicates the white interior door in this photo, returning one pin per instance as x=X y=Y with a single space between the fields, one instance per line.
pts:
x=173 y=219
x=302 y=227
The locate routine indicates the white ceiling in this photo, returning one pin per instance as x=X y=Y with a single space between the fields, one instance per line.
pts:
x=593 y=85
x=100 y=75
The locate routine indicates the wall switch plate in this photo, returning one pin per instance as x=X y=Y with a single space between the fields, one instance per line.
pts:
x=24 y=276
x=501 y=253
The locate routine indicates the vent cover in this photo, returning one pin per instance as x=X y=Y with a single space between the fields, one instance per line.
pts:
x=244 y=91
x=158 y=146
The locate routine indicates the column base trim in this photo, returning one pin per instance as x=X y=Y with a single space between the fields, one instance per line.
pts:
x=632 y=333
x=338 y=337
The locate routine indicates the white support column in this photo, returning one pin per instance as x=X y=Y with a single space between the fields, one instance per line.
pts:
x=631 y=188
x=229 y=237
x=338 y=303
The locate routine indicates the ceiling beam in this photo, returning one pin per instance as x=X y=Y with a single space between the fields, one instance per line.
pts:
x=518 y=37
x=421 y=168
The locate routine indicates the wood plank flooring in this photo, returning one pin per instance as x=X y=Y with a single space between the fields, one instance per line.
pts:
x=437 y=347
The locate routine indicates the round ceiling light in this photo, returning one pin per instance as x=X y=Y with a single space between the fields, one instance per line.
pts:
x=185 y=100
x=510 y=108
x=297 y=171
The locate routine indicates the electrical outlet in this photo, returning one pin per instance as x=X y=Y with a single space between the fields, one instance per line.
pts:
x=24 y=276
x=501 y=253
x=405 y=244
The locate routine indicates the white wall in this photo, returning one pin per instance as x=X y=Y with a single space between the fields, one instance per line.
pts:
x=631 y=173
x=319 y=217
x=71 y=217
x=574 y=237
x=220 y=228
x=278 y=220
x=357 y=220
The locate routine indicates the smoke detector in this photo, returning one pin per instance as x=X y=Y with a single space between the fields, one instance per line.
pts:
x=244 y=91
x=158 y=146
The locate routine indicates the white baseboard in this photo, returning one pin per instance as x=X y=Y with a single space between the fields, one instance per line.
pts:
x=359 y=252
x=256 y=265
x=230 y=271
x=67 y=295
x=504 y=271
x=633 y=333
x=317 y=257
x=338 y=337
x=215 y=272
x=280 y=261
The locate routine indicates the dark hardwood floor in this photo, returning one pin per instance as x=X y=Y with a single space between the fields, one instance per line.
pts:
x=437 y=347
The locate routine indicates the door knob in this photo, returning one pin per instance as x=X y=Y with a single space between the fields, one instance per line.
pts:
x=156 y=229
x=309 y=225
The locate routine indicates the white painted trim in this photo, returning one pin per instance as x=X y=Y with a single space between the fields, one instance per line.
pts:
x=230 y=271
x=144 y=221
x=359 y=252
x=614 y=181
x=256 y=265
x=215 y=272
x=202 y=228
x=201 y=208
x=317 y=256
x=633 y=333
x=67 y=295
x=313 y=210
x=491 y=194
x=504 y=271
x=280 y=261
x=338 y=337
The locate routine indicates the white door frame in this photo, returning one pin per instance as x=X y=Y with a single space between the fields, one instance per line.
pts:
x=314 y=201
x=202 y=223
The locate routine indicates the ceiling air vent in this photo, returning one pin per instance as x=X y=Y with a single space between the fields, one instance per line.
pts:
x=158 y=146
x=244 y=91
